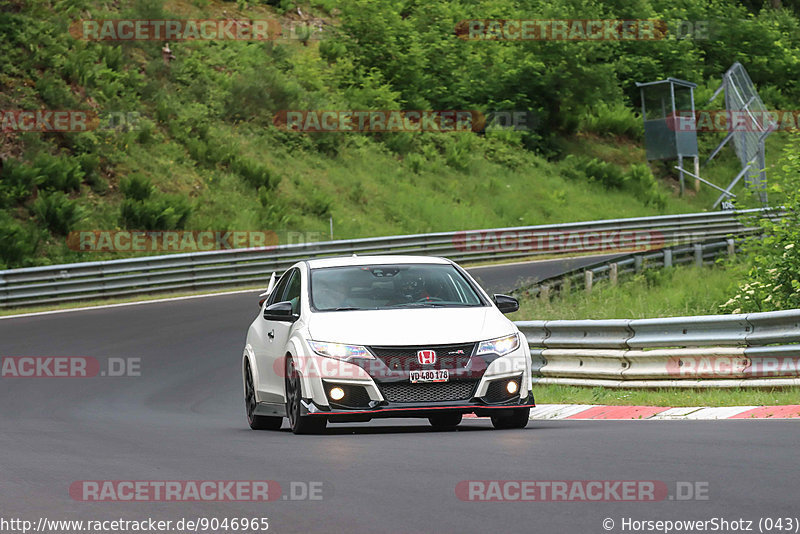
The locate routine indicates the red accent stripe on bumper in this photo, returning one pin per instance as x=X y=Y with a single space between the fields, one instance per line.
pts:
x=426 y=409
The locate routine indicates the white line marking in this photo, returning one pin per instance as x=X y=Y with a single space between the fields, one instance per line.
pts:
x=719 y=413
x=558 y=411
x=121 y=304
x=676 y=413
x=688 y=413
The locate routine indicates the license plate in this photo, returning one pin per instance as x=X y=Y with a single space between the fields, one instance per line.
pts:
x=431 y=375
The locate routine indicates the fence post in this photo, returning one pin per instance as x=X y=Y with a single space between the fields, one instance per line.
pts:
x=544 y=292
x=731 y=247
x=588 y=280
x=613 y=273
x=698 y=254
x=667 y=257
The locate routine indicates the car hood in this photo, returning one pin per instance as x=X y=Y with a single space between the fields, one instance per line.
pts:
x=426 y=326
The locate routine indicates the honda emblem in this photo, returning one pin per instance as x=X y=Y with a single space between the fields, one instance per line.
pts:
x=426 y=357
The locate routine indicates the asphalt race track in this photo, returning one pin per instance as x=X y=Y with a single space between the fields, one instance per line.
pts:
x=504 y=278
x=184 y=419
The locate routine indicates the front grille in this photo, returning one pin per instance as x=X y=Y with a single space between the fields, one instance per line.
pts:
x=496 y=392
x=354 y=396
x=405 y=358
x=440 y=392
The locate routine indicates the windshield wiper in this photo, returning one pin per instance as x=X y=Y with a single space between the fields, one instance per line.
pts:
x=418 y=305
x=433 y=305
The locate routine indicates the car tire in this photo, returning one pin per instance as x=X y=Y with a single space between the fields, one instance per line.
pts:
x=256 y=422
x=447 y=421
x=300 y=424
x=518 y=419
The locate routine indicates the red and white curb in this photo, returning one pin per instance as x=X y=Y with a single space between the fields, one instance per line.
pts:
x=546 y=412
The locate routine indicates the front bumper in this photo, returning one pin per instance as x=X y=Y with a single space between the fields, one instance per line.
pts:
x=381 y=387
x=427 y=409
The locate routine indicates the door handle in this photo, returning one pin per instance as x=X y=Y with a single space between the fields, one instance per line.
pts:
x=271 y=334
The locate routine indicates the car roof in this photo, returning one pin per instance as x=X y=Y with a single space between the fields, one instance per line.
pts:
x=345 y=261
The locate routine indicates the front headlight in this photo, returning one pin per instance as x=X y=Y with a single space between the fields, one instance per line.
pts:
x=500 y=345
x=340 y=351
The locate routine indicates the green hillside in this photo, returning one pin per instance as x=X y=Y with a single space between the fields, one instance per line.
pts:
x=203 y=152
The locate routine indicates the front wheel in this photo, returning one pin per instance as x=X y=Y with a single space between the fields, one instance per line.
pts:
x=300 y=424
x=256 y=422
x=517 y=419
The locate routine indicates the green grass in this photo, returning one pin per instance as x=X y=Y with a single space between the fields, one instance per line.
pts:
x=653 y=293
x=669 y=397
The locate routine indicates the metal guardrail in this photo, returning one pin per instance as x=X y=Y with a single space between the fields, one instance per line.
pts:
x=757 y=349
x=611 y=268
x=242 y=267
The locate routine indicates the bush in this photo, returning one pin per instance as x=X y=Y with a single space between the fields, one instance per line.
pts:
x=260 y=93
x=254 y=174
x=155 y=214
x=607 y=174
x=61 y=173
x=16 y=243
x=611 y=120
x=415 y=162
x=773 y=279
x=17 y=181
x=640 y=180
x=136 y=187
x=57 y=212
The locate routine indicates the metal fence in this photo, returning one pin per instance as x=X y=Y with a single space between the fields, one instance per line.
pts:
x=757 y=349
x=246 y=267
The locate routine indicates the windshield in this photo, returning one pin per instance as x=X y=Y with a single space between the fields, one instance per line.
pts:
x=372 y=287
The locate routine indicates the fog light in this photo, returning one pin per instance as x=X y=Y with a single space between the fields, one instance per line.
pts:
x=512 y=387
x=337 y=393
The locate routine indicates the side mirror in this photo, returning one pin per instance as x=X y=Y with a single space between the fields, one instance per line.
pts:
x=505 y=303
x=280 y=311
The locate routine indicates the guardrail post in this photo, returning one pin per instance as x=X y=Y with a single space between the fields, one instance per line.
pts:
x=544 y=292
x=638 y=263
x=613 y=273
x=667 y=257
x=698 y=254
x=731 y=247
x=588 y=280
x=566 y=285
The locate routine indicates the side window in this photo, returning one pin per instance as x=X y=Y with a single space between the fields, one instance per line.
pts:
x=280 y=288
x=293 y=292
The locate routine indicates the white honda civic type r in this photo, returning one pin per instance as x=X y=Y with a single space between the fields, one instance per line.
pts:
x=351 y=339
